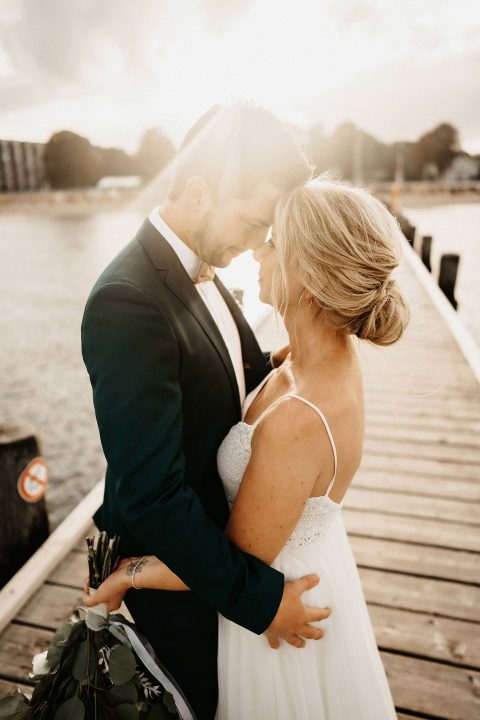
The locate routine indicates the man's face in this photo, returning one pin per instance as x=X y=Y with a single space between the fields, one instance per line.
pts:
x=239 y=224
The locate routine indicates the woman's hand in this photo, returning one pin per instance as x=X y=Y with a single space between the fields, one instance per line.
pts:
x=114 y=588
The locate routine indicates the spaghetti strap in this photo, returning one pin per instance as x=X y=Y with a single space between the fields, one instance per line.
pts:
x=329 y=433
x=324 y=420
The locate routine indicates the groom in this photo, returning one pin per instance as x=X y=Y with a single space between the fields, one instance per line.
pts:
x=171 y=358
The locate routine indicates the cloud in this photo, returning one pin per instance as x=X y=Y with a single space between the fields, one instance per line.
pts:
x=55 y=47
x=221 y=13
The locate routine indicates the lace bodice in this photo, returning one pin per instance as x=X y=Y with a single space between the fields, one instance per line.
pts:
x=233 y=457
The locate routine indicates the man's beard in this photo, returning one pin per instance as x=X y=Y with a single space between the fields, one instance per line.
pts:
x=208 y=248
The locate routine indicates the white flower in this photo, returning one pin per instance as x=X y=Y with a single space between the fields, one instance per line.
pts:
x=40 y=664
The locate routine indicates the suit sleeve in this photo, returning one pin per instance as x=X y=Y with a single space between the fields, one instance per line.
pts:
x=132 y=357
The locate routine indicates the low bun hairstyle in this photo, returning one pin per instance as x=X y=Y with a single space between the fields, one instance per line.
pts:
x=344 y=245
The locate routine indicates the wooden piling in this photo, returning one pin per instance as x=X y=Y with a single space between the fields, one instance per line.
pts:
x=426 y=250
x=448 y=276
x=24 y=525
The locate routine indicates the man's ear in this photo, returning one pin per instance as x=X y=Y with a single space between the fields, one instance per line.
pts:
x=197 y=194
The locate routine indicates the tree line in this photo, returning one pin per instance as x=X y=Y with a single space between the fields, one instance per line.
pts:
x=71 y=161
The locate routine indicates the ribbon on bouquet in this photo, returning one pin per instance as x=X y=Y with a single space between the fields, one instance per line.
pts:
x=98 y=618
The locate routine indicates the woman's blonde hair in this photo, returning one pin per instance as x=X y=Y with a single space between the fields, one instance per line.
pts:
x=343 y=245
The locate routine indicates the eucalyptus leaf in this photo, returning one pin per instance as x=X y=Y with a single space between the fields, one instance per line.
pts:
x=72 y=709
x=122 y=665
x=85 y=662
x=54 y=655
x=126 y=693
x=169 y=702
x=158 y=712
x=126 y=712
x=62 y=634
x=14 y=706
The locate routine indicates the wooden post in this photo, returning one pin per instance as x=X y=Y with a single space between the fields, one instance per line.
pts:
x=23 y=481
x=238 y=295
x=448 y=276
x=426 y=250
x=409 y=232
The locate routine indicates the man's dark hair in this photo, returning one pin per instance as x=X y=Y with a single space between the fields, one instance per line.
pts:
x=237 y=147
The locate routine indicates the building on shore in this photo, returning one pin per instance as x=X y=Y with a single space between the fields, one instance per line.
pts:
x=21 y=166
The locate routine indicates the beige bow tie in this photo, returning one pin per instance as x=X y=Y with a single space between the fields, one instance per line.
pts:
x=206 y=272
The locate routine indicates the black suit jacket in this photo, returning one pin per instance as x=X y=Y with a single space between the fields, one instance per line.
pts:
x=165 y=396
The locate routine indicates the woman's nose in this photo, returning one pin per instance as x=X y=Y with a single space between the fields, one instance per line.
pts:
x=259 y=252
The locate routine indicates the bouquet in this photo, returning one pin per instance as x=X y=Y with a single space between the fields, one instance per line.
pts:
x=99 y=667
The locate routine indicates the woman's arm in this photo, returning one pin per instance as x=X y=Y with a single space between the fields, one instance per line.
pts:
x=150 y=573
x=290 y=452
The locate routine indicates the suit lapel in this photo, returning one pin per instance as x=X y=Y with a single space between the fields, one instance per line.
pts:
x=253 y=359
x=176 y=277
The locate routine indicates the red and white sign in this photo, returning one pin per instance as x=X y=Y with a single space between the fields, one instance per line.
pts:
x=33 y=481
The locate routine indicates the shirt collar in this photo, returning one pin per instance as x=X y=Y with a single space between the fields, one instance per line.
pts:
x=190 y=260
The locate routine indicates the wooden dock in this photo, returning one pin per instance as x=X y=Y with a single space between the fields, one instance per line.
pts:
x=412 y=513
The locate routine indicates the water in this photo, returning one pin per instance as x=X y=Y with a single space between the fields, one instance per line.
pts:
x=455 y=229
x=48 y=265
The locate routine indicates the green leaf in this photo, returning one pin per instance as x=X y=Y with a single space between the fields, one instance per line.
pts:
x=14 y=707
x=85 y=655
x=126 y=712
x=72 y=709
x=122 y=665
x=126 y=693
x=169 y=702
x=158 y=712
x=62 y=635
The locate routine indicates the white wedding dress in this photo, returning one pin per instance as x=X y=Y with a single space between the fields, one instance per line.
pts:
x=340 y=676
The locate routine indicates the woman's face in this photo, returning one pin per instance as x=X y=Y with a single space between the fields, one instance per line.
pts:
x=270 y=273
x=266 y=255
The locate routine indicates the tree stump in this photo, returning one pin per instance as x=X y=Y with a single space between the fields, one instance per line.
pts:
x=448 y=276
x=23 y=482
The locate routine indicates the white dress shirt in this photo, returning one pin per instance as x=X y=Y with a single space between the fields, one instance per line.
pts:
x=210 y=295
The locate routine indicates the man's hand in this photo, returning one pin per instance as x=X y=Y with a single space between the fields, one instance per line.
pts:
x=293 y=617
x=279 y=356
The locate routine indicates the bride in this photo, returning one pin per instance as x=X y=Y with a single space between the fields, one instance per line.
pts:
x=287 y=466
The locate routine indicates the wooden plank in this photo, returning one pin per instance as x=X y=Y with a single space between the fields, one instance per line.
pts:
x=438 y=597
x=49 y=608
x=454 y=641
x=18 y=645
x=451 y=437
x=426 y=451
x=417 y=466
x=414 y=530
x=7 y=688
x=379 y=479
x=72 y=571
x=437 y=508
x=439 y=691
x=420 y=402
x=416 y=559
x=427 y=422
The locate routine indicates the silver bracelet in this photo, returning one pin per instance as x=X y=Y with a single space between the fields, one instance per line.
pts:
x=136 y=566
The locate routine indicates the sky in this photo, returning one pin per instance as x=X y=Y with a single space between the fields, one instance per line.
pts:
x=109 y=69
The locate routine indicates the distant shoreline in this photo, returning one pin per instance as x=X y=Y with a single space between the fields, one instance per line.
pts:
x=71 y=202
x=84 y=202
